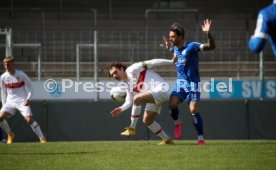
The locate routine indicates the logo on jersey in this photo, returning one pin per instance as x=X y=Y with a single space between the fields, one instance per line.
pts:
x=182 y=60
x=183 y=52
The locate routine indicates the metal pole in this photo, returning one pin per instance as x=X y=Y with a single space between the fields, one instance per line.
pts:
x=42 y=44
x=95 y=51
x=77 y=63
x=39 y=64
x=78 y=46
x=261 y=67
x=8 y=41
x=96 y=63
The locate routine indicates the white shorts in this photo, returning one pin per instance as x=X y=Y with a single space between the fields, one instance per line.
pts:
x=160 y=96
x=13 y=107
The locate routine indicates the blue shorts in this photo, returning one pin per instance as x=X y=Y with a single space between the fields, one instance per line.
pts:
x=186 y=91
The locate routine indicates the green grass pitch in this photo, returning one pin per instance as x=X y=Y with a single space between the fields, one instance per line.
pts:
x=131 y=155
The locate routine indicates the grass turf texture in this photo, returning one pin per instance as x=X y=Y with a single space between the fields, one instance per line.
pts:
x=252 y=154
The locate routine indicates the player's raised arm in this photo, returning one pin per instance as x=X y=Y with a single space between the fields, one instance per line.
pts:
x=28 y=88
x=167 y=44
x=258 y=40
x=137 y=67
x=156 y=62
x=206 y=28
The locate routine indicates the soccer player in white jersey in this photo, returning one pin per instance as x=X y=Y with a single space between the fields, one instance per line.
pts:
x=151 y=88
x=135 y=114
x=16 y=92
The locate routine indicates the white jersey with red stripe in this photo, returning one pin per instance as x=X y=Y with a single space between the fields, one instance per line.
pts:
x=15 y=88
x=142 y=79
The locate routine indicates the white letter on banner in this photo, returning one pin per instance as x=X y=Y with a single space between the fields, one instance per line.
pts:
x=246 y=93
x=230 y=85
x=257 y=88
x=64 y=84
x=271 y=89
x=221 y=87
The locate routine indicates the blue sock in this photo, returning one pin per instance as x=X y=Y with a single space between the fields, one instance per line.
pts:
x=198 y=124
x=174 y=113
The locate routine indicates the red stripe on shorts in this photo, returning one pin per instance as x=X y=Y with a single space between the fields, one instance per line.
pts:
x=135 y=116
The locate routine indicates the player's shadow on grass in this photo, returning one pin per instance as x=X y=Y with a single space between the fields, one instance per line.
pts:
x=223 y=143
x=48 y=153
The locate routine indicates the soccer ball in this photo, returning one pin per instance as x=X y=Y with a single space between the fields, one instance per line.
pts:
x=118 y=94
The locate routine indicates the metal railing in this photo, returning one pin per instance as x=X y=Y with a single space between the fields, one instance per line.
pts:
x=231 y=52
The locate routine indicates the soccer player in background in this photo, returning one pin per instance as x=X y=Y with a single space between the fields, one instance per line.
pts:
x=265 y=29
x=151 y=89
x=16 y=91
x=187 y=82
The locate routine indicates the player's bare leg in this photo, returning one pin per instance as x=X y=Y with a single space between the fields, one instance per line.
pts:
x=197 y=120
x=149 y=117
x=144 y=97
x=149 y=120
x=173 y=105
x=6 y=128
x=36 y=128
x=135 y=114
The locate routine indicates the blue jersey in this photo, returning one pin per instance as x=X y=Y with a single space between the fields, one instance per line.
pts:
x=265 y=29
x=187 y=64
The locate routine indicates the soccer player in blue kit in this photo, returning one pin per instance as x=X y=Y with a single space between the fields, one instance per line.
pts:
x=265 y=29
x=187 y=83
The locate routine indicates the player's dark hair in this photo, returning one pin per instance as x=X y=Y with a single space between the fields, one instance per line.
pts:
x=8 y=58
x=115 y=64
x=178 y=29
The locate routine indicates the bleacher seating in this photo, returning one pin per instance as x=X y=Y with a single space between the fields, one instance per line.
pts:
x=122 y=29
x=235 y=70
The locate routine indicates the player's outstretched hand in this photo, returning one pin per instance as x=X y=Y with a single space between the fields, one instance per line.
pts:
x=116 y=112
x=167 y=43
x=26 y=103
x=206 y=27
